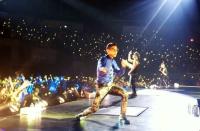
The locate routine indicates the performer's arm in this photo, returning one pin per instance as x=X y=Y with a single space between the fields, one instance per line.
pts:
x=160 y=69
x=102 y=65
x=103 y=70
x=164 y=72
x=119 y=72
x=129 y=57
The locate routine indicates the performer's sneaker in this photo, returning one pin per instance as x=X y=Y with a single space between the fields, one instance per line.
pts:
x=125 y=121
x=80 y=117
x=121 y=122
x=118 y=125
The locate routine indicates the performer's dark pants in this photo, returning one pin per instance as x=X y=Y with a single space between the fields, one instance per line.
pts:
x=103 y=91
x=132 y=80
x=163 y=81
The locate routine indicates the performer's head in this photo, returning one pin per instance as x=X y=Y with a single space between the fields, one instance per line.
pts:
x=112 y=50
x=136 y=56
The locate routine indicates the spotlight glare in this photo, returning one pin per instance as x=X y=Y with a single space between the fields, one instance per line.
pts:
x=191 y=39
x=176 y=85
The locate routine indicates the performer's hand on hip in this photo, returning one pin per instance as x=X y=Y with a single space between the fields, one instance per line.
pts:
x=103 y=70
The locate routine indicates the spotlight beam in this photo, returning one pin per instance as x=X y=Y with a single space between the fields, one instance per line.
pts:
x=153 y=17
x=166 y=19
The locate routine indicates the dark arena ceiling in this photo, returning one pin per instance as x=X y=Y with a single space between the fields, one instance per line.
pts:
x=133 y=10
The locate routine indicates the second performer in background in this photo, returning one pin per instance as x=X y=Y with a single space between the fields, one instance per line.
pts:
x=133 y=59
x=163 y=79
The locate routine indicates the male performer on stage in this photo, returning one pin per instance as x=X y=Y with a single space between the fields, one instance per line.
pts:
x=107 y=69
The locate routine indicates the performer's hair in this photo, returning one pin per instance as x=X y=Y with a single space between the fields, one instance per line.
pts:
x=111 y=44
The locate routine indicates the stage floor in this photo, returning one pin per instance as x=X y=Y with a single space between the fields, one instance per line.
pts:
x=166 y=110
